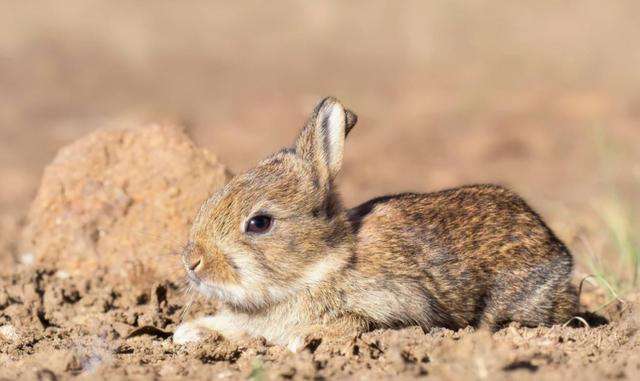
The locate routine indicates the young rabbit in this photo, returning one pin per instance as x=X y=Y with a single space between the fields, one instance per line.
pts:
x=288 y=261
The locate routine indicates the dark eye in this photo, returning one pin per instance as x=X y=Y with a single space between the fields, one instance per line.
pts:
x=259 y=224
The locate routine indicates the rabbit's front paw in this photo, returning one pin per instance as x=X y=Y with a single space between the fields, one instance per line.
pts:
x=197 y=330
x=189 y=333
x=296 y=344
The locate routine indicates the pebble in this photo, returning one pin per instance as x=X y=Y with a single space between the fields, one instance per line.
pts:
x=9 y=332
x=27 y=258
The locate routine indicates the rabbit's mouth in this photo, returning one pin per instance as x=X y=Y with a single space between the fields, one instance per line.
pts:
x=194 y=279
x=232 y=294
x=202 y=287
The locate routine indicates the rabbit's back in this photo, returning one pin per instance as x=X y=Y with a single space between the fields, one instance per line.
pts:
x=477 y=255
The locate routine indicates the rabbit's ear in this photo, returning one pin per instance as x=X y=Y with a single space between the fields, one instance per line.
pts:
x=321 y=141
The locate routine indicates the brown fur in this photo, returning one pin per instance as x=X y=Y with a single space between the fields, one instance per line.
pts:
x=476 y=255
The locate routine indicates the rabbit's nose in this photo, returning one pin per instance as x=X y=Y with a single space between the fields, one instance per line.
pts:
x=192 y=257
x=193 y=266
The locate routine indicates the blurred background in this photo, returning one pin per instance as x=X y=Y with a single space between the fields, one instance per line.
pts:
x=541 y=96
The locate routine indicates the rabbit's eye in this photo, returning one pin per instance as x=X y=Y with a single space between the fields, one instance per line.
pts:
x=259 y=224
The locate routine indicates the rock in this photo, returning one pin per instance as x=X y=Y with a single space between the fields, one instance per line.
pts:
x=8 y=332
x=121 y=200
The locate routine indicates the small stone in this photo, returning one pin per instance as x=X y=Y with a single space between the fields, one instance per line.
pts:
x=27 y=259
x=62 y=274
x=9 y=332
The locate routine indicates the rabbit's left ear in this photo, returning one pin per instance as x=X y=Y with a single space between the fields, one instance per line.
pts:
x=321 y=141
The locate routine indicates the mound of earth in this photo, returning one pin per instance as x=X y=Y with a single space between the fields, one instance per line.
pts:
x=121 y=200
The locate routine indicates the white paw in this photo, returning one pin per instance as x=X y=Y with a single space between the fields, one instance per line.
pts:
x=295 y=344
x=188 y=333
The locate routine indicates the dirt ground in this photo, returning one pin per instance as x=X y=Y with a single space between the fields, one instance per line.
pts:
x=539 y=96
x=89 y=328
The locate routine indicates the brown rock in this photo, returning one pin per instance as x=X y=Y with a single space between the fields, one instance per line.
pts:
x=121 y=200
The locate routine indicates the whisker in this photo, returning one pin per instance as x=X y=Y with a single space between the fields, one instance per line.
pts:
x=184 y=286
x=187 y=306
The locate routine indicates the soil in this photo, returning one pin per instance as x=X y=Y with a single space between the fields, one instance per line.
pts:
x=447 y=93
x=54 y=326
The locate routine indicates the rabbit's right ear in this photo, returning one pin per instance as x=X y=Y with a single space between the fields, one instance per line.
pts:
x=321 y=141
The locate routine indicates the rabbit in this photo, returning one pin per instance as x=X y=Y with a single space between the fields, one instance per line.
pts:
x=289 y=262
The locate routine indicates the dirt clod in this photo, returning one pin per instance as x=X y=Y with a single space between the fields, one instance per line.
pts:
x=121 y=199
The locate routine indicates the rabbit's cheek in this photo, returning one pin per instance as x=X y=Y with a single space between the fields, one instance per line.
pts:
x=218 y=268
x=249 y=272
